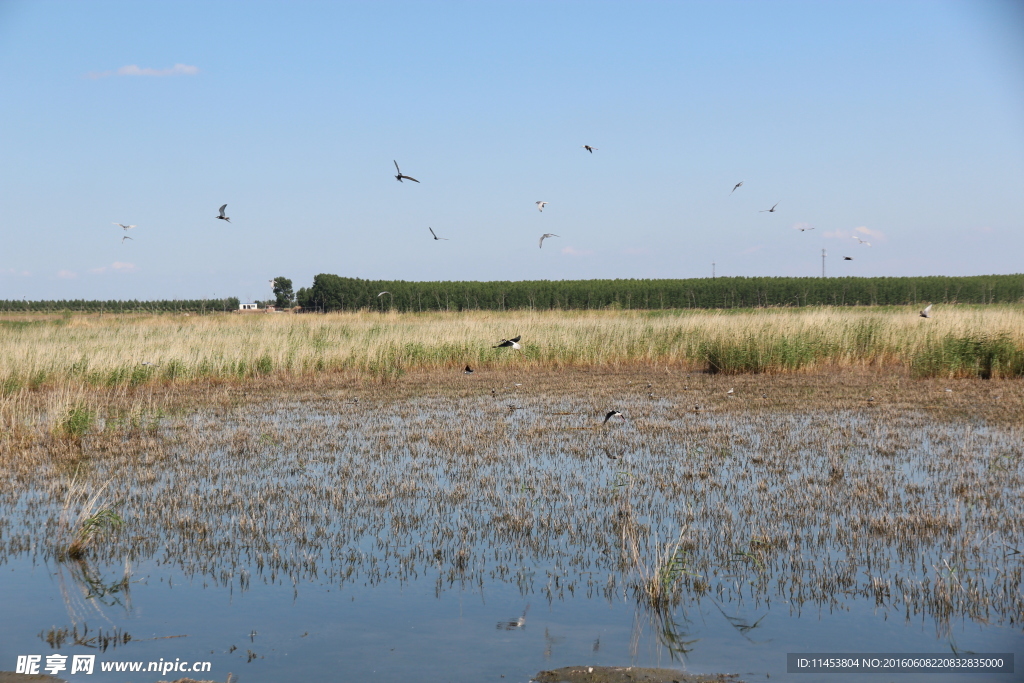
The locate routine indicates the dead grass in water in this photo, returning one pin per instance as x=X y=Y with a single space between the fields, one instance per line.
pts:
x=805 y=489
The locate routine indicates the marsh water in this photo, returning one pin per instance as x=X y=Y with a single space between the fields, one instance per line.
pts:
x=487 y=530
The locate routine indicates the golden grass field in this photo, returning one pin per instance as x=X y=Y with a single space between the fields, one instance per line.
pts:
x=131 y=350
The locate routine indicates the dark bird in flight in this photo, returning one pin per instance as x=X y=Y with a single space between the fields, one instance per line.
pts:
x=589 y=148
x=126 y=237
x=771 y=210
x=435 y=235
x=513 y=342
x=467 y=371
x=611 y=414
x=847 y=258
x=400 y=175
x=222 y=216
x=736 y=186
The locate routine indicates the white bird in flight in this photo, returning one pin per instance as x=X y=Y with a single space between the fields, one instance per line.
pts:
x=927 y=312
x=541 y=205
x=802 y=227
x=736 y=186
x=222 y=216
x=544 y=237
x=126 y=227
x=860 y=241
x=382 y=294
x=611 y=414
x=126 y=237
x=435 y=235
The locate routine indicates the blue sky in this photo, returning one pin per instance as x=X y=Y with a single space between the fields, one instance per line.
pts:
x=899 y=122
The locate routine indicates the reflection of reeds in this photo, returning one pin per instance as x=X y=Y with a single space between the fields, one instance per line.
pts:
x=128 y=351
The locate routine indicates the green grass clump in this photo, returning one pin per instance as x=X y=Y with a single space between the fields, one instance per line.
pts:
x=76 y=422
x=972 y=355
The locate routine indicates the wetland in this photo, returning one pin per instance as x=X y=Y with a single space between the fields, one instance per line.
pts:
x=435 y=525
x=428 y=529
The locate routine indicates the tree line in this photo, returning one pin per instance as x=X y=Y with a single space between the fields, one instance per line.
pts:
x=336 y=293
x=200 y=306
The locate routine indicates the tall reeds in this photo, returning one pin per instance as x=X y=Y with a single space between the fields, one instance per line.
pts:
x=127 y=351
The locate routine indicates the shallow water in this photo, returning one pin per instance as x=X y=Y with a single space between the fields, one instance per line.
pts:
x=401 y=539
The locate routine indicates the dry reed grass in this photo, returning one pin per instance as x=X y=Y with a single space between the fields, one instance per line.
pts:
x=128 y=351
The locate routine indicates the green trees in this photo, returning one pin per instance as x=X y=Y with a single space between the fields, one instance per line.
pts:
x=332 y=292
x=122 y=306
x=335 y=293
x=283 y=292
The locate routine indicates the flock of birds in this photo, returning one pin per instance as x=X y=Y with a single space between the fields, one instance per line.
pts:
x=401 y=177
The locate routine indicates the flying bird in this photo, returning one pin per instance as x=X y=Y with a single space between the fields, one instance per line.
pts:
x=126 y=237
x=736 y=186
x=435 y=235
x=731 y=391
x=541 y=205
x=589 y=148
x=860 y=241
x=382 y=294
x=611 y=414
x=126 y=227
x=222 y=216
x=771 y=210
x=847 y=258
x=467 y=371
x=400 y=175
x=803 y=227
x=927 y=312
x=544 y=237
x=513 y=342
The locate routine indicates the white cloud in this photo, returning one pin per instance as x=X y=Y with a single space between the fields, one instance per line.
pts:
x=577 y=252
x=136 y=70
x=877 y=234
x=116 y=266
x=13 y=271
x=67 y=274
x=861 y=232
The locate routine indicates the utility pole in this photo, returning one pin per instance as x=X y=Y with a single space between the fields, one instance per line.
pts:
x=712 y=270
x=823 y=255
